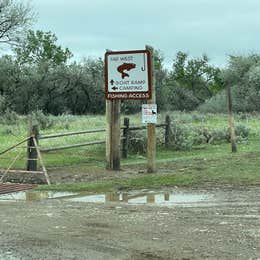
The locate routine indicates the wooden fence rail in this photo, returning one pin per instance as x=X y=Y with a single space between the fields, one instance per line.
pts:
x=71 y=133
x=44 y=150
x=14 y=146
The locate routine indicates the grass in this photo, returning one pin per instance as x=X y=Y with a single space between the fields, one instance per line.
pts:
x=199 y=166
x=142 y=182
x=200 y=169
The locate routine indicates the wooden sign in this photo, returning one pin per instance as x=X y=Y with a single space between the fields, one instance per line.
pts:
x=128 y=75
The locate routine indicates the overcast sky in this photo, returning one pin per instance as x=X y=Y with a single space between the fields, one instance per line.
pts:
x=214 y=27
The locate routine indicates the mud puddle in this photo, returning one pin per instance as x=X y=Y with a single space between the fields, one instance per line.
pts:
x=134 y=197
x=33 y=196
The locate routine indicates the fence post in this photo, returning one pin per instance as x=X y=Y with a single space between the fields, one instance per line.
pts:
x=167 y=131
x=31 y=149
x=231 y=120
x=125 y=137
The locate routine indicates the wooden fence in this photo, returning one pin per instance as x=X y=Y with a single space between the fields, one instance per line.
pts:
x=126 y=129
x=34 y=150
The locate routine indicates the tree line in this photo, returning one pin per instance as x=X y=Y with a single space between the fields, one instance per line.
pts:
x=40 y=76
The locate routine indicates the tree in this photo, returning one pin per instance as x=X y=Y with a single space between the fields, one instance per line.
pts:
x=197 y=75
x=192 y=81
x=39 y=83
x=15 y=17
x=40 y=48
x=87 y=87
x=243 y=75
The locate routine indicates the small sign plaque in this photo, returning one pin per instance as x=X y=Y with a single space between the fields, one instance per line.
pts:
x=149 y=113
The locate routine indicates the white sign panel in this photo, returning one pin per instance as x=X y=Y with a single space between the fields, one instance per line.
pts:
x=149 y=113
x=128 y=75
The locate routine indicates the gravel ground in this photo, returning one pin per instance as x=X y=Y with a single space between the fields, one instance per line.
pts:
x=227 y=227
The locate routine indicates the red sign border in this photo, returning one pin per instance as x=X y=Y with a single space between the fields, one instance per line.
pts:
x=127 y=93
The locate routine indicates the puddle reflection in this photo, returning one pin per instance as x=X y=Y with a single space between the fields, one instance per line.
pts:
x=34 y=195
x=151 y=197
x=163 y=198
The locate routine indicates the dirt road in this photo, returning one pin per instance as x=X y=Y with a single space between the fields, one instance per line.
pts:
x=227 y=227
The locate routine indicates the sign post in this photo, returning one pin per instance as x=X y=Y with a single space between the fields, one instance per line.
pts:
x=151 y=127
x=128 y=75
x=113 y=134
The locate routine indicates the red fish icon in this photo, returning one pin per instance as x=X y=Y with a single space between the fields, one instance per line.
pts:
x=125 y=66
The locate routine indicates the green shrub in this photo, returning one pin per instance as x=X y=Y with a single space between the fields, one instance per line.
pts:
x=9 y=117
x=137 y=142
x=242 y=131
x=209 y=136
x=181 y=137
x=198 y=118
x=216 y=104
x=243 y=116
x=49 y=121
x=44 y=121
x=64 y=121
x=218 y=135
x=3 y=105
x=201 y=135
x=14 y=130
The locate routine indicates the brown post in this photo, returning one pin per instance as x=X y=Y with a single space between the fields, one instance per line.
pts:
x=167 y=131
x=125 y=137
x=150 y=198
x=113 y=134
x=231 y=120
x=31 y=150
x=151 y=132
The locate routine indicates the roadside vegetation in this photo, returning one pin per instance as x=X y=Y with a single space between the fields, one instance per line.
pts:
x=199 y=151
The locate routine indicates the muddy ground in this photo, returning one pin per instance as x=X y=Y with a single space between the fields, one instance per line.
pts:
x=75 y=174
x=225 y=227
